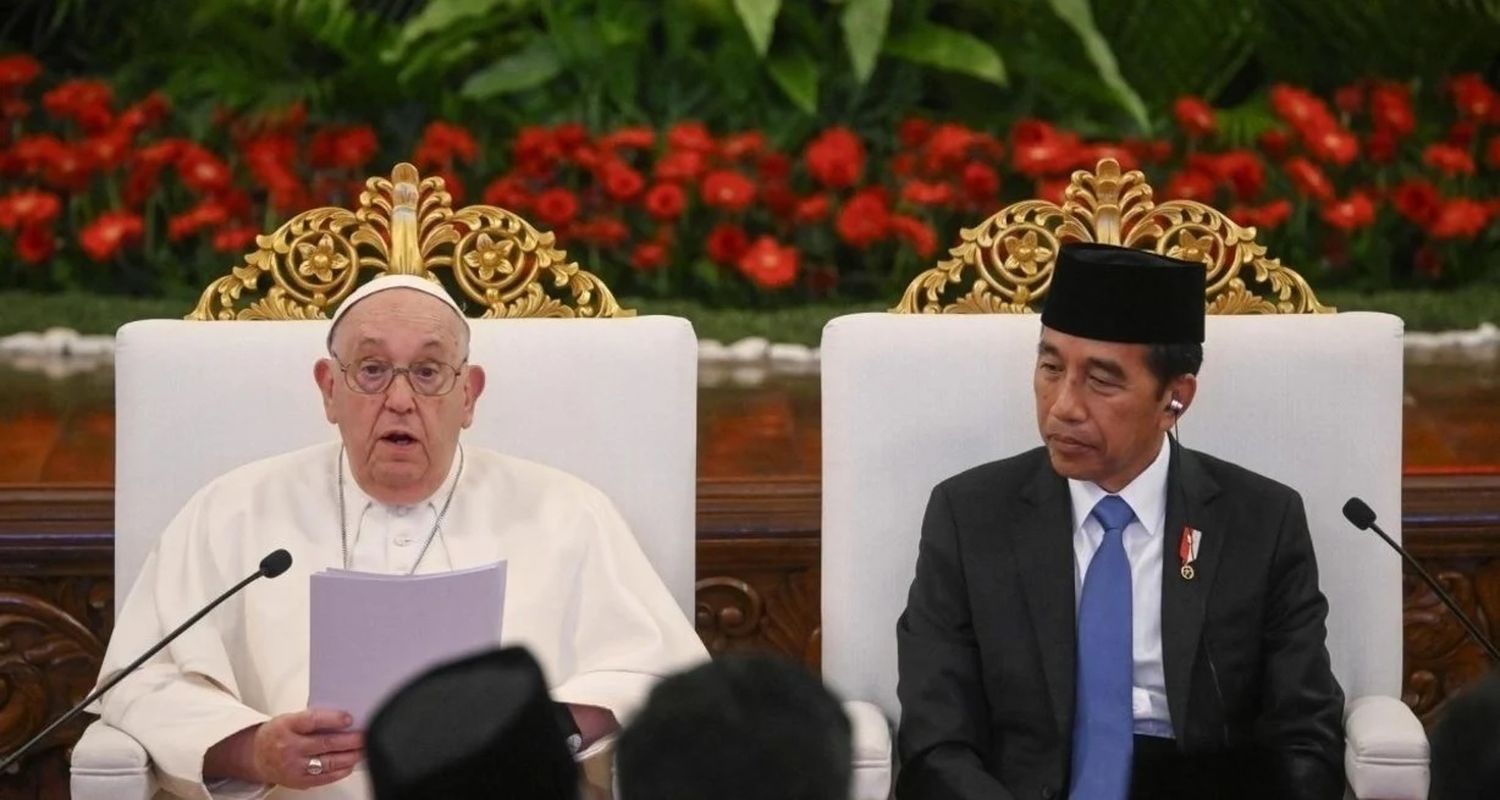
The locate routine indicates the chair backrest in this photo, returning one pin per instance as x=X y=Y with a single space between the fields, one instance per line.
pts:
x=1313 y=400
x=612 y=401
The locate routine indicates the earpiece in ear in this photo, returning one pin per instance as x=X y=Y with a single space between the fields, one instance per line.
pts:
x=1175 y=406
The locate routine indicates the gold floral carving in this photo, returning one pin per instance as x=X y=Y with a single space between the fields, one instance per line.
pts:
x=407 y=225
x=1005 y=264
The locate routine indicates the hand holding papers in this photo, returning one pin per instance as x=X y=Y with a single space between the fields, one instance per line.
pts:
x=371 y=632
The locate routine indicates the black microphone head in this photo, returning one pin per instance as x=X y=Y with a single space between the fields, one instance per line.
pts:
x=277 y=562
x=1358 y=513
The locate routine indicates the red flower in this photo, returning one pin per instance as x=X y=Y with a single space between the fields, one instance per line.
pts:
x=1449 y=160
x=571 y=137
x=621 y=181
x=810 y=210
x=1390 y=109
x=604 y=232
x=1242 y=170
x=343 y=148
x=1333 y=144
x=1459 y=218
x=665 y=201
x=1429 y=263
x=201 y=170
x=640 y=138
x=1266 y=217
x=85 y=102
x=1091 y=154
x=1308 y=179
x=507 y=192
x=680 y=166
x=927 y=193
x=1417 y=200
x=741 y=145
x=1353 y=212
x=948 y=147
x=107 y=151
x=1461 y=133
x=1349 y=99
x=1275 y=142
x=916 y=233
x=28 y=208
x=1039 y=150
x=769 y=265
x=774 y=167
x=18 y=70
x=981 y=183
x=452 y=184
x=692 y=137
x=864 y=219
x=536 y=151
x=1381 y=146
x=1301 y=108
x=1190 y=184
x=836 y=158
x=728 y=190
x=235 y=238
x=556 y=207
x=779 y=198
x=206 y=214
x=1152 y=151
x=68 y=170
x=1194 y=117
x=913 y=132
x=1473 y=97
x=1492 y=152
x=442 y=144
x=727 y=243
x=147 y=112
x=109 y=232
x=649 y=256
x=35 y=244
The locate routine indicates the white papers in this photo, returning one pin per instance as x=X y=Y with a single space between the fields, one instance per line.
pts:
x=370 y=633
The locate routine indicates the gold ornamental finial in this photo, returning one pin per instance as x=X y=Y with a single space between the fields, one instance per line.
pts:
x=406 y=225
x=1004 y=265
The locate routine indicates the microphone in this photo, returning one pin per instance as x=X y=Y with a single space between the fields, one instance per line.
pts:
x=1362 y=517
x=272 y=565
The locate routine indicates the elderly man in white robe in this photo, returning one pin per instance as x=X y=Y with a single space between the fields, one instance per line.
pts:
x=222 y=712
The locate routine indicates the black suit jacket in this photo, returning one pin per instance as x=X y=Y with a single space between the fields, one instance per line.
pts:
x=986 y=646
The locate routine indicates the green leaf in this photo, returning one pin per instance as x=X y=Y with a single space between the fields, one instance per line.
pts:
x=865 y=23
x=1079 y=17
x=528 y=69
x=440 y=15
x=797 y=75
x=759 y=19
x=949 y=49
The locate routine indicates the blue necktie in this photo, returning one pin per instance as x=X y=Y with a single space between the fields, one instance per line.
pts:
x=1102 y=718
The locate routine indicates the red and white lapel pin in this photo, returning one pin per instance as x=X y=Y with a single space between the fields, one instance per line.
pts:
x=1187 y=550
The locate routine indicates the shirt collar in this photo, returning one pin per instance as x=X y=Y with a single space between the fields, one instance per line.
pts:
x=359 y=501
x=1147 y=494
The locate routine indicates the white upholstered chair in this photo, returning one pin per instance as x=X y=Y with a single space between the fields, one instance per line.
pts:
x=1311 y=400
x=613 y=401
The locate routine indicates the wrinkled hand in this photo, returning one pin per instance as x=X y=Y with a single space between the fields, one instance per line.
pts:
x=284 y=744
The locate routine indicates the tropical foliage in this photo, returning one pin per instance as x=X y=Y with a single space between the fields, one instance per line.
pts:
x=742 y=151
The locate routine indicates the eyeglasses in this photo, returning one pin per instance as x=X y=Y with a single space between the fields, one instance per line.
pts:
x=374 y=376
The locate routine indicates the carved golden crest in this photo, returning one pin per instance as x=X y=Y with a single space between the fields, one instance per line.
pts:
x=1005 y=264
x=407 y=225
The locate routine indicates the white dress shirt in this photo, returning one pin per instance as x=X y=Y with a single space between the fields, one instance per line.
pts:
x=389 y=538
x=1144 y=540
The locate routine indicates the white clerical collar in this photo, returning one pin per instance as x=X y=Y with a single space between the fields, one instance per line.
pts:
x=1147 y=494
x=360 y=500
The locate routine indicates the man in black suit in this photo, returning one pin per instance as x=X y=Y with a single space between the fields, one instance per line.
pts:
x=1113 y=615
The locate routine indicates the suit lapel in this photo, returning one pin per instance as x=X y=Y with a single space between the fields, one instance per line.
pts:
x=1044 y=554
x=1190 y=492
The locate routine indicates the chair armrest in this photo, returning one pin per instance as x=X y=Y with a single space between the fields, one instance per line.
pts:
x=872 y=751
x=1385 y=755
x=109 y=765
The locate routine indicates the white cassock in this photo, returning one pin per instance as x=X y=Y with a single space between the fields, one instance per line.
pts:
x=579 y=594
